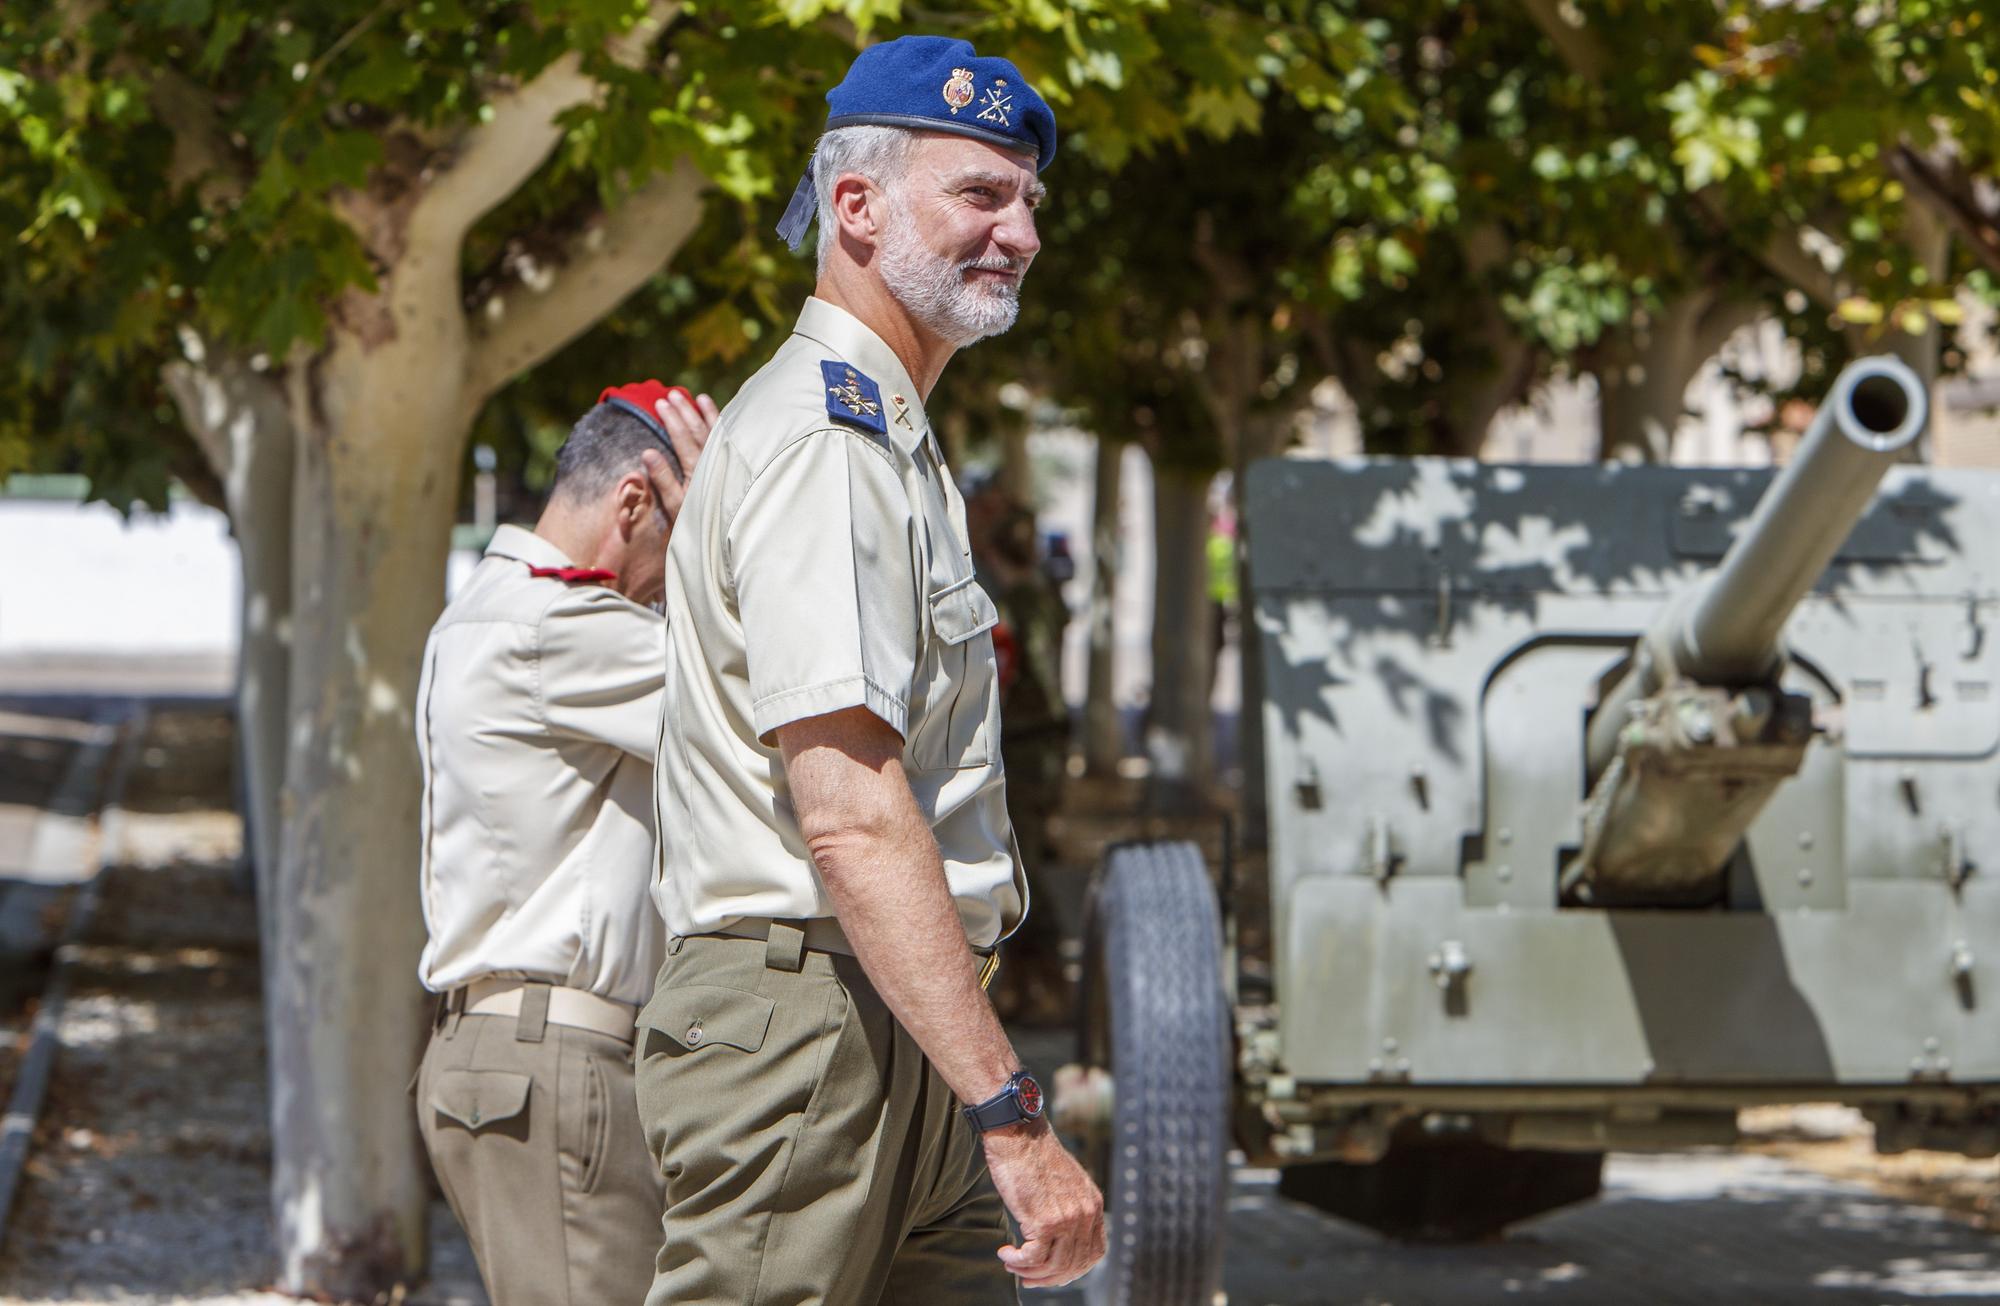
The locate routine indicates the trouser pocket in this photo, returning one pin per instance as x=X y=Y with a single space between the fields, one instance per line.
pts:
x=585 y=1128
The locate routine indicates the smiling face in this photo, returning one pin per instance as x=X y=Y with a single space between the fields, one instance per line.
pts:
x=959 y=235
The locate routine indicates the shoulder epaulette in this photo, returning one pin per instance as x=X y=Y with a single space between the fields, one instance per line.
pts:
x=852 y=397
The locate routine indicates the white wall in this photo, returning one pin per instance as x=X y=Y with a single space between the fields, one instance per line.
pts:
x=79 y=578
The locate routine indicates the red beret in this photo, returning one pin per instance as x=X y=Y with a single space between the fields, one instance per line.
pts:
x=638 y=398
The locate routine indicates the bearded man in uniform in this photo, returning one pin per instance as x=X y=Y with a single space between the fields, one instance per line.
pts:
x=839 y=1115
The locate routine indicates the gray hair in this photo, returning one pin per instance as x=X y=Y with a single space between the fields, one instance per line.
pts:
x=877 y=153
x=602 y=449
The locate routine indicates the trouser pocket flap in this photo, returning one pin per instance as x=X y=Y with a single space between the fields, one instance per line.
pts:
x=696 y=1015
x=478 y=1098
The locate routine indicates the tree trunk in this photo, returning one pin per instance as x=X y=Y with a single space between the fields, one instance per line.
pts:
x=1930 y=240
x=1261 y=439
x=1475 y=393
x=1103 y=733
x=1179 y=737
x=1642 y=388
x=238 y=416
x=1017 y=469
x=381 y=433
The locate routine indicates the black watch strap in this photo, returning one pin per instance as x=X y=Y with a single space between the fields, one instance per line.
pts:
x=1019 y=1099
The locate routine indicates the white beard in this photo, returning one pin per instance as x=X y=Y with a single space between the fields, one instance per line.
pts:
x=936 y=290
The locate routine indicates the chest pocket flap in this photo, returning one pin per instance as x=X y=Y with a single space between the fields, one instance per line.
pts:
x=695 y=1015
x=478 y=1098
x=961 y=610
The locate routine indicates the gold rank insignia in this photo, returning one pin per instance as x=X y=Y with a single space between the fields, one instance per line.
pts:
x=958 y=91
x=852 y=399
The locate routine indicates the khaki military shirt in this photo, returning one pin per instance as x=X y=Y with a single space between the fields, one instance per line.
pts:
x=536 y=716
x=821 y=563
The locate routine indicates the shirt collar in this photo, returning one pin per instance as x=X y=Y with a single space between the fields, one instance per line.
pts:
x=849 y=339
x=523 y=545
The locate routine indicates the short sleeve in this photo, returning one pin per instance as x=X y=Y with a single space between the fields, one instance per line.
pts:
x=601 y=670
x=823 y=568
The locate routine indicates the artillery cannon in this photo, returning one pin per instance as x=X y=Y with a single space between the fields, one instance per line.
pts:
x=1697 y=733
x=1603 y=802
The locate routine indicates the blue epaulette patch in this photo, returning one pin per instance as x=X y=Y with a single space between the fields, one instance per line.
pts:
x=852 y=397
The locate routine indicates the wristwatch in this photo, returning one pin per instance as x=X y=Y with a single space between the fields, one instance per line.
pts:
x=1019 y=1099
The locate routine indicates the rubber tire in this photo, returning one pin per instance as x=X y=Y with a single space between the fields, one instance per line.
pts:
x=1156 y=1016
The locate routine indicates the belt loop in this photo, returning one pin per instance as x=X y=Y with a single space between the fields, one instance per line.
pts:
x=533 y=1021
x=785 y=947
x=454 y=1005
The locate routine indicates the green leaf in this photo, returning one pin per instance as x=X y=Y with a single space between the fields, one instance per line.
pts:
x=1223 y=111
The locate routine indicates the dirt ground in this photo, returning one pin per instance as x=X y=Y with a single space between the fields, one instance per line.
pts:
x=1837 y=1142
x=147 y=1179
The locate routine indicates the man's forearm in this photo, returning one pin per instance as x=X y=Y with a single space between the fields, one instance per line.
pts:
x=880 y=865
x=898 y=914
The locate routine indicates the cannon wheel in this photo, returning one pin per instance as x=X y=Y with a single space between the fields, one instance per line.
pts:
x=1156 y=1017
x=1445 y=1191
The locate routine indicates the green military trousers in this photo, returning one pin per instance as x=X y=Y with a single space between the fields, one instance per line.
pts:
x=811 y=1153
x=534 y=1134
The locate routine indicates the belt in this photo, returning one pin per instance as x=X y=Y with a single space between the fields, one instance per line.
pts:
x=823 y=934
x=575 y=1007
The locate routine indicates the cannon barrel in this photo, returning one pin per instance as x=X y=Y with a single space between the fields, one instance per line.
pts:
x=1691 y=742
x=1728 y=629
x=1731 y=633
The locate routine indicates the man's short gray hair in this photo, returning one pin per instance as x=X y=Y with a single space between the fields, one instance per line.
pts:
x=602 y=449
x=877 y=153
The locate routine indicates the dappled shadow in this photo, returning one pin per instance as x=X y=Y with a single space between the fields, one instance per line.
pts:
x=1672 y=1231
x=1411 y=695
x=1300 y=687
x=1416 y=574
x=1499 y=534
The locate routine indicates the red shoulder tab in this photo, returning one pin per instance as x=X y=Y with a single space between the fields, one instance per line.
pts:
x=570 y=575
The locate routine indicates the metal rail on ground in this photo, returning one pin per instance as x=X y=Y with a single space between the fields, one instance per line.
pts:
x=24 y=1106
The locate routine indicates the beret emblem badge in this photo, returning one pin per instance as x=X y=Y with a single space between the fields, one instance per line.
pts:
x=997 y=104
x=958 y=91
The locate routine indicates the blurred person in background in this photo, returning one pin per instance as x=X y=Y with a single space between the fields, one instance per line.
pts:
x=536 y=719
x=1220 y=553
x=1034 y=732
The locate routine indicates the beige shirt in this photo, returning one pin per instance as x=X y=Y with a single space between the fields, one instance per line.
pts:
x=536 y=716
x=819 y=565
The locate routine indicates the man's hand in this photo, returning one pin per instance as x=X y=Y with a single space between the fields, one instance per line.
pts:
x=1059 y=1209
x=688 y=425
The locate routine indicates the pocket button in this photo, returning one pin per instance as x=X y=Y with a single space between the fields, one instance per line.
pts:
x=694 y=1036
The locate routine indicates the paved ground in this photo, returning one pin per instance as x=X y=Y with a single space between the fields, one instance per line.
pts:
x=147 y=1182
x=1669 y=1230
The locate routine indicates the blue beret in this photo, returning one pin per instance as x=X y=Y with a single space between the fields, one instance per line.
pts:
x=932 y=83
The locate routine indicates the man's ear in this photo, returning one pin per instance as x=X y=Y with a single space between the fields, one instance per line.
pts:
x=635 y=503
x=855 y=209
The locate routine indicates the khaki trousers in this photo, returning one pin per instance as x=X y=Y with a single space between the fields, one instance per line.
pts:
x=535 y=1137
x=811 y=1153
